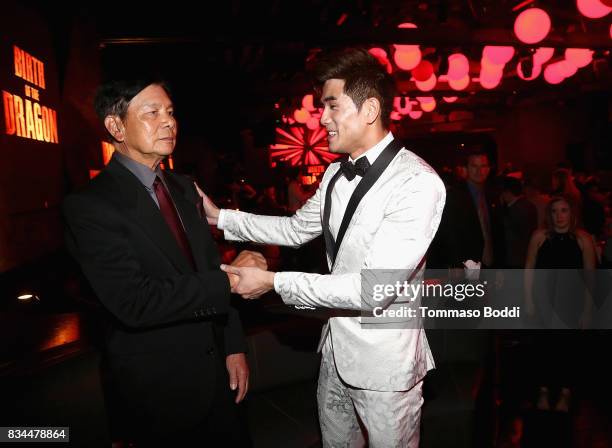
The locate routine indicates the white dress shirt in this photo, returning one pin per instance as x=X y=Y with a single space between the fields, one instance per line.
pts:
x=343 y=189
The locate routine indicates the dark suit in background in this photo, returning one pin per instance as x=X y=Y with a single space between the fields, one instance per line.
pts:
x=460 y=236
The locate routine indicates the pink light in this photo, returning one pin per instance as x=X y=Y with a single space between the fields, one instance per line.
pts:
x=552 y=75
x=593 y=9
x=407 y=25
x=396 y=116
x=532 y=25
x=489 y=81
x=301 y=115
x=458 y=66
x=491 y=75
x=459 y=84
x=406 y=57
x=449 y=99
x=312 y=123
x=428 y=103
x=381 y=55
x=397 y=105
x=415 y=114
x=497 y=55
x=428 y=85
x=580 y=57
x=423 y=71
x=535 y=72
x=566 y=68
x=543 y=55
x=307 y=103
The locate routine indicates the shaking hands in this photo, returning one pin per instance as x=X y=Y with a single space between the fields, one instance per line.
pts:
x=248 y=274
x=250 y=282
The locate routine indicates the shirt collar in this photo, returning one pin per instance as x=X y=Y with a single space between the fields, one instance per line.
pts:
x=144 y=174
x=373 y=153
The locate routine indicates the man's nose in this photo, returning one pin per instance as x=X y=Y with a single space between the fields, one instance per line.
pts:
x=325 y=118
x=170 y=121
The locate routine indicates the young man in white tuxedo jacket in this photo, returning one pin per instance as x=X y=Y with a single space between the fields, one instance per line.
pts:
x=370 y=382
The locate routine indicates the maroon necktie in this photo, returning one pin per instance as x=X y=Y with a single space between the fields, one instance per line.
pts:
x=168 y=211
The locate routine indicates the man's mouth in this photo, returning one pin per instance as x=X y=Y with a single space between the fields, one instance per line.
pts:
x=331 y=134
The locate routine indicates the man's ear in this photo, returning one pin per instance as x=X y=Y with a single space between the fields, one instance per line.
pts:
x=115 y=127
x=372 y=109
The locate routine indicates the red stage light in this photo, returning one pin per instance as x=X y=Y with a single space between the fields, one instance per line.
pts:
x=580 y=57
x=593 y=9
x=407 y=57
x=532 y=25
x=459 y=84
x=423 y=71
x=497 y=55
x=543 y=55
x=458 y=66
x=428 y=85
x=553 y=75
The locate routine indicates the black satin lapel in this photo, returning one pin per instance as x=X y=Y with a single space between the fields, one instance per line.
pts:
x=329 y=239
x=370 y=178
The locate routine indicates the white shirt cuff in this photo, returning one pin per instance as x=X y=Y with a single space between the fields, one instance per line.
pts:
x=276 y=282
x=221 y=219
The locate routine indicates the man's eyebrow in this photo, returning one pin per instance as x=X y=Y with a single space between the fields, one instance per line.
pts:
x=158 y=105
x=329 y=98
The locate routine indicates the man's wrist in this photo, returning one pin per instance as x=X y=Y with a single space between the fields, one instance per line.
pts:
x=270 y=280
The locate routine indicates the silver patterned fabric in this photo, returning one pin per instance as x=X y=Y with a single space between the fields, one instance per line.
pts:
x=349 y=416
x=381 y=369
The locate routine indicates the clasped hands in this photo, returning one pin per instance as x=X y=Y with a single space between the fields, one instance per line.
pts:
x=248 y=274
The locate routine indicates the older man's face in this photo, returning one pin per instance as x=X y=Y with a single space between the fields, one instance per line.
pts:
x=150 y=126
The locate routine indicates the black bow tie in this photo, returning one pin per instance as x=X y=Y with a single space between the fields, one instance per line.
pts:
x=358 y=169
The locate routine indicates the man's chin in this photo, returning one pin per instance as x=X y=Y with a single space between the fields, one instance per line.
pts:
x=335 y=150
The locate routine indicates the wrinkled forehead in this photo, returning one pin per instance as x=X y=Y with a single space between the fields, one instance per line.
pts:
x=152 y=95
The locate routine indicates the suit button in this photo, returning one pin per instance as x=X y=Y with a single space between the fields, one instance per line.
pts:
x=210 y=351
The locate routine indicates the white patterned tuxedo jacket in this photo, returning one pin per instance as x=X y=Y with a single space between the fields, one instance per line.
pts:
x=391 y=228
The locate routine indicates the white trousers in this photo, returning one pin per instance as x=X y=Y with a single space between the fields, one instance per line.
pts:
x=349 y=416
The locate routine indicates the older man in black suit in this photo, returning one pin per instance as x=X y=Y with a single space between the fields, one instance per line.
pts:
x=174 y=345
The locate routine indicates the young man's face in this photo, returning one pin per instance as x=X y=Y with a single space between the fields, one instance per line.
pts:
x=150 y=126
x=478 y=169
x=346 y=126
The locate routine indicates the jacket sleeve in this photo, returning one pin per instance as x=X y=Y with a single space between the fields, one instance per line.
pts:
x=95 y=236
x=410 y=222
x=235 y=341
x=294 y=231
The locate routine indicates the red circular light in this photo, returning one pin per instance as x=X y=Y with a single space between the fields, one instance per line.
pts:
x=423 y=71
x=593 y=9
x=458 y=66
x=532 y=25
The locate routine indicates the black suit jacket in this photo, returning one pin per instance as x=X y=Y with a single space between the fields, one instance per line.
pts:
x=169 y=327
x=459 y=237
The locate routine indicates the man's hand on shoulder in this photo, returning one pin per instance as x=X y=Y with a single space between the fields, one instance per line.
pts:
x=211 y=210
